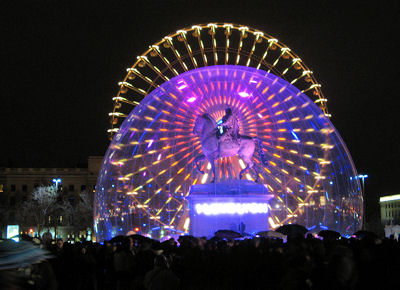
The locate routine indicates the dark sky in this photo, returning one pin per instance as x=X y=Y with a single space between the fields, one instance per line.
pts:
x=61 y=61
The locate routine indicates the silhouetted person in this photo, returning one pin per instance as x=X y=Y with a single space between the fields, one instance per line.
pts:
x=161 y=278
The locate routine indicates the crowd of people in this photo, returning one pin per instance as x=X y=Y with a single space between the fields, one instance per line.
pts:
x=137 y=262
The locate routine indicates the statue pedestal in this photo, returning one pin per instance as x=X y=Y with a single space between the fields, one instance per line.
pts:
x=239 y=205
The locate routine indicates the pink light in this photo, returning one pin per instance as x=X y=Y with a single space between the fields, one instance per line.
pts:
x=244 y=94
x=182 y=87
x=191 y=100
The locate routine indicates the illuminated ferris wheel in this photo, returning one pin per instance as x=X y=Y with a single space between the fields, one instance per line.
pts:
x=148 y=169
x=207 y=45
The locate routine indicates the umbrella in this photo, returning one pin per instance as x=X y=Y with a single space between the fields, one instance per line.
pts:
x=227 y=234
x=271 y=234
x=139 y=238
x=365 y=235
x=292 y=230
x=16 y=255
x=119 y=239
x=329 y=235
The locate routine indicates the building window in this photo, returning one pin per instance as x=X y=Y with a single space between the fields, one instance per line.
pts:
x=1 y=187
x=11 y=217
x=83 y=187
x=12 y=188
x=24 y=188
x=71 y=187
x=12 y=200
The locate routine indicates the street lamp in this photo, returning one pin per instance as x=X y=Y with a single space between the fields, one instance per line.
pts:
x=362 y=177
x=56 y=181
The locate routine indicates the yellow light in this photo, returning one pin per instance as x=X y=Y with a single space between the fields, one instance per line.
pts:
x=149 y=180
x=131 y=192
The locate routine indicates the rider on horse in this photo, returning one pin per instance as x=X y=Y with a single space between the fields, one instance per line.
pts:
x=230 y=126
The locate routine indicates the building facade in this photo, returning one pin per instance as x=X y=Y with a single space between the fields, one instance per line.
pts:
x=390 y=209
x=17 y=184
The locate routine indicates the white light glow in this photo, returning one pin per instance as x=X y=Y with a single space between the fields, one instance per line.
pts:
x=244 y=94
x=191 y=100
x=204 y=179
x=218 y=208
x=186 y=224
x=390 y=198
x=242 y=164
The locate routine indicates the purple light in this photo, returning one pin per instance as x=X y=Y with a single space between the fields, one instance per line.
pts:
x=144 y=173
x=191 y=100
x=244 y=94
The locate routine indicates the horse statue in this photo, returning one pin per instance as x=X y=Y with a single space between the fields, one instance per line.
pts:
x=214 y=148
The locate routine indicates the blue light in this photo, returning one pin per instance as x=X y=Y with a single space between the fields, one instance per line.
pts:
x=294 y=135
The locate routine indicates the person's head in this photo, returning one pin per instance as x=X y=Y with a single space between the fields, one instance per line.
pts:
x=161 y=261
x=60 y=243
x=228 y=111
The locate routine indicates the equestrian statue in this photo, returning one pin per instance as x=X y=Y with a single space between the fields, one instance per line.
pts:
x=222 y=139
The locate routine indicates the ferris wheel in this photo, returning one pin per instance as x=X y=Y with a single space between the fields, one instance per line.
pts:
x=148 y=170
x=207 y=45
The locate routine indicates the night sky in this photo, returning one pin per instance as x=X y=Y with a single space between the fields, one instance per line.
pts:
x=61 y=61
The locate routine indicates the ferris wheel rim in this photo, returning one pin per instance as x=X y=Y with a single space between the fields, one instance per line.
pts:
x=180 y=35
